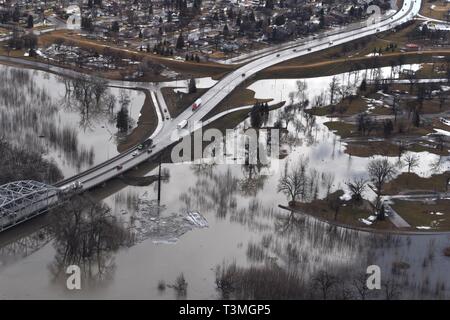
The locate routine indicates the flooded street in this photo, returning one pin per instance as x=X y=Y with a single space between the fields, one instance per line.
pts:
x=238 y=222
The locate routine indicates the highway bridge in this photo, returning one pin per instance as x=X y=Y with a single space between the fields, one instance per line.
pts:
x=163 y=138
x=23 y=200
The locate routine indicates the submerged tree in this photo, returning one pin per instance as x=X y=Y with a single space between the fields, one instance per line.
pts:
x=293 y=183
x=192 y=87
x=87 y=235
x=122 y=120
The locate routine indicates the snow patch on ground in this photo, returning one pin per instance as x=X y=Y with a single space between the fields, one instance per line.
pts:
x=366 y=222
x=346 y=196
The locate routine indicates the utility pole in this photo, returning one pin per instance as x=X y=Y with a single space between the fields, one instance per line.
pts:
x=159 y=182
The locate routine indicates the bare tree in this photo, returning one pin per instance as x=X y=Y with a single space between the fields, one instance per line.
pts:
x=411 y=161
x=180 y=286
x=360 y=284
x=324 y=282
x=333 y=87
x=99 y=87
x=335 y=203
x=293 y=183
x=380 y=170
x=391 y=289
x=327 y=181
x=395 y=107
x=412 y=78
x=357 y=187
x=301 y=92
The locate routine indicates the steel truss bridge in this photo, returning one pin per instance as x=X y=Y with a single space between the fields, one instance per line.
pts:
x=23 y=200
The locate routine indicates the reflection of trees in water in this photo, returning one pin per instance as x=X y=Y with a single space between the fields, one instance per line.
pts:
x=253 y=181
x=218 y=191
x=270 y=281
x=29 y=117
x=302 y=241
x=213 y=192
x=24 y=246
x=203 y=169
x=312 y=260
x=21 y=164
x=254 y=283
x=91 y=98
x=255 y=217
x=87 y=235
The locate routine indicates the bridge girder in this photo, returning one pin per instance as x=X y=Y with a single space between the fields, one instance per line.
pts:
x=17 y=195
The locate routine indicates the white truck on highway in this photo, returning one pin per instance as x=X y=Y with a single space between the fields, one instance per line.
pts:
x=196 y=104
x=182 y=124
x=72 y=187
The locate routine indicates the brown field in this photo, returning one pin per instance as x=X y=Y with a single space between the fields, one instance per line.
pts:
x=238 y=98
x=177 y=103
x=411 y=181
x=147 y=123
x=348 y=215
x=418 y=213
x=438 y=12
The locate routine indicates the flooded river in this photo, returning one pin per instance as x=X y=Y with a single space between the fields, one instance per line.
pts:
x=240 y=223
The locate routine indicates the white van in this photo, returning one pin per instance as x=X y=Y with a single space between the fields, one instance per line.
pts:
x=182 y=124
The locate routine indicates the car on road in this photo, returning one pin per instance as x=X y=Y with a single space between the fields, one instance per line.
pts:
x=119 y=167
x=149 y=150
x=77 y=185
x=278 y=55
x=243 y=74
x=135 y=153
x=295 y=50
x=148 y=143
x=309 y=49
x=72 y=187
x=330 y=43
x=182 y=124
x=140 y=146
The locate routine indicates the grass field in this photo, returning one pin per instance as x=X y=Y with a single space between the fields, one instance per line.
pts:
x=436 y=9
x=349 y=214
x=418 y=213
x=238 y=98
x=178 y=102
x=412 y=182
